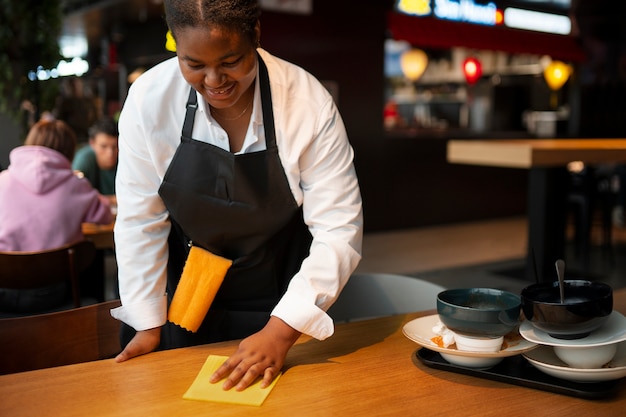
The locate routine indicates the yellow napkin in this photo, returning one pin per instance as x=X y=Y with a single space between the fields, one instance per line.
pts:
x=202 y=276
x=203 y=390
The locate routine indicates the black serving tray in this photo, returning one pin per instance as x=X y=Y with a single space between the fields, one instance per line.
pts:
x=517 y=370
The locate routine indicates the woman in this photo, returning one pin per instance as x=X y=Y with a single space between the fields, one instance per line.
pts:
x=43 y=205
x=247 y=157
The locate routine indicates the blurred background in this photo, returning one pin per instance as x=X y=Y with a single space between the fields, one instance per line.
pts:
x=398 y=120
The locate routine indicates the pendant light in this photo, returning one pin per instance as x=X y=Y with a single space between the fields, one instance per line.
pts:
x=413 y=63
x=472 y=69
x=556 y=74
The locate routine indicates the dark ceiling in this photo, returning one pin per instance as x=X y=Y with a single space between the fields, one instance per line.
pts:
x=98 y=19
x=132 y=23
x=107 y=19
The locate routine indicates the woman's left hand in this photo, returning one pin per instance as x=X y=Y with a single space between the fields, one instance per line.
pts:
x=261 y=354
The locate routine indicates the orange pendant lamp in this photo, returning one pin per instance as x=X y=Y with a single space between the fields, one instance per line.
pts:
x=556 y=74
x=413 y=63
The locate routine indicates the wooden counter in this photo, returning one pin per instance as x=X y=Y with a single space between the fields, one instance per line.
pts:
x=518 y=153
x=548 y=182
x=365 y=369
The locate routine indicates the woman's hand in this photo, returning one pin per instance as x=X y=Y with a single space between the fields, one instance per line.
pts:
x=261 y=354
x=144 y=341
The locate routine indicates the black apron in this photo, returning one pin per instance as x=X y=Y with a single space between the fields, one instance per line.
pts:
x=239 y=207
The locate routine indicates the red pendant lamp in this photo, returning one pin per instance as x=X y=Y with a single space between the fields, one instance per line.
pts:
x=472 y=69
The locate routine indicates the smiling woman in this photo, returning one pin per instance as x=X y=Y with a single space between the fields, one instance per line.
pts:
x=229 y=174
x=224 y=76
x=223 y=68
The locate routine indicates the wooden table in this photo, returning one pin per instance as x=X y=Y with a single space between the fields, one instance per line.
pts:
x=102 y=237
x=546 y=160
x=365 y=369
x=100 y=234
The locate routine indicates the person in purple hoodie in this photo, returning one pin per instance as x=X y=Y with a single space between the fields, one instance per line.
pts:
x=42 y=202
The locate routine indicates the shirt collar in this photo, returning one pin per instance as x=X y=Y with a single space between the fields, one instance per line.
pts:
x=255 y=130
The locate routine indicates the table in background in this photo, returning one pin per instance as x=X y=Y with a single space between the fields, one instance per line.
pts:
x=100 y=234
x=366 y=368
x=97 y=285
x=546 y=160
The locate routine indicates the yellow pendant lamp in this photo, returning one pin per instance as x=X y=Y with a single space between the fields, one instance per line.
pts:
x=556 y=74
x=413 y=63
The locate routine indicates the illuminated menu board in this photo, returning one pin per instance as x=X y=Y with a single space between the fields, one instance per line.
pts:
x=555 y=6
x=549 y=16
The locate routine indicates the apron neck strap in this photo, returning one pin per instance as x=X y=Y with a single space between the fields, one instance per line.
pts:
x=192 y=106
x=266 y=104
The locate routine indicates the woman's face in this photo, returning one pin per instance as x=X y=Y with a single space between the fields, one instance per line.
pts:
x=220 y=64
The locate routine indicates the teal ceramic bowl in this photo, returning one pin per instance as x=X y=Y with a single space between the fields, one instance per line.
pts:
x=479 y=311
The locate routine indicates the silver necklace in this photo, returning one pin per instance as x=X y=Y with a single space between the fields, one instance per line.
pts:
x=226 y=119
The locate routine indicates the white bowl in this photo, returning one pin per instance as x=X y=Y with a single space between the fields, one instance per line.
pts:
x=477 y=343
x=420 y=330
x=586 y=357
x=544 y=359
x=475 y=362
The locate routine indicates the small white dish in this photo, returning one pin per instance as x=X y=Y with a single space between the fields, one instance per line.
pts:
x=613 y=331
x=544 y=359
x=420 y=331
x=478 y=344
x=586 y=357
x=470 y=361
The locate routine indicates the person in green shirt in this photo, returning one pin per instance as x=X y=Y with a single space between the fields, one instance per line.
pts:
x=98 y=161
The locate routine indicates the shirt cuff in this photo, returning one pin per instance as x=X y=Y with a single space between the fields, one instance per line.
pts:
x=143 y=315
x=304 y=317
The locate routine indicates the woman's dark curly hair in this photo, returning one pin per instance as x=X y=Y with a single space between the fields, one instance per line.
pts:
x=238 y=15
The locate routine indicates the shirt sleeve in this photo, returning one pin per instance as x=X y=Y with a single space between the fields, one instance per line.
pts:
x=332 y=210
x=141 y=226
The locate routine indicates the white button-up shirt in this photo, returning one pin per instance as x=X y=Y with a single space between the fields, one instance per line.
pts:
x=318 y=161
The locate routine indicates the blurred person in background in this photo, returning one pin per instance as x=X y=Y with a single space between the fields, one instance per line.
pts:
x=76 y=107
x=43 y=204
x=98 y=161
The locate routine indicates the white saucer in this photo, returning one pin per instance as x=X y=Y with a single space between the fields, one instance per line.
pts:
x=421 y=332
x=613 y=331
x=544 y=359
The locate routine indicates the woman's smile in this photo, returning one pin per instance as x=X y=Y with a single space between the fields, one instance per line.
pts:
x=222 y=93
x=218 y=63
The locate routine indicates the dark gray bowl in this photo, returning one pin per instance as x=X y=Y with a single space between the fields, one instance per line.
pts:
x=479 y=311
x=587 y=307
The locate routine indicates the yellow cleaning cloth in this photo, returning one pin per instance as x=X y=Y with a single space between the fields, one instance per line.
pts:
x=203 y=390
x=202 y=276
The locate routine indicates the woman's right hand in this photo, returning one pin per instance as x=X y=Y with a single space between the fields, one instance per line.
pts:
x=144 y=341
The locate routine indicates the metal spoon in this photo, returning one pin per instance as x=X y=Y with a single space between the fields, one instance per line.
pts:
x=560 y=272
